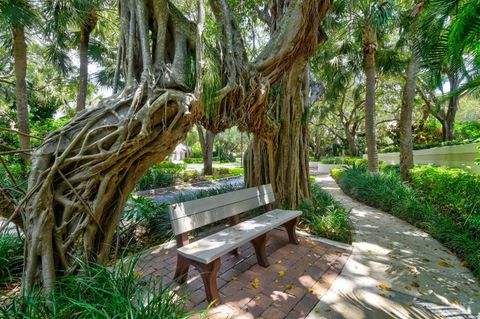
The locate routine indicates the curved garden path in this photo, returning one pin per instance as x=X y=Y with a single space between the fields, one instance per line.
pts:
x=396 y=271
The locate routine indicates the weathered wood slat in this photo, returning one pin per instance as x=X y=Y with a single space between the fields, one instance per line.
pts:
x=191 y=222
x=197 y=213
x=214 y=246
x=180 y=210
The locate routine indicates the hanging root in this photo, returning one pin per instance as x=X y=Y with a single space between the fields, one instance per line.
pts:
x=83 y=174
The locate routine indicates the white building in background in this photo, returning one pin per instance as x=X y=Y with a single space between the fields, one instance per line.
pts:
x=181 y=152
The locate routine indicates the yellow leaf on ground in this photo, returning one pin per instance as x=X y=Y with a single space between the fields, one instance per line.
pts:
x=317 y=310
x=445 y=264
x=281 y=273
x=289 y=286
x=279 y=261
x=255 y=283
x=384 y=287
x=310 y=290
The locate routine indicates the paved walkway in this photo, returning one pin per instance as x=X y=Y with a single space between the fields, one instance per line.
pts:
x=396 y=271
x=290 y=287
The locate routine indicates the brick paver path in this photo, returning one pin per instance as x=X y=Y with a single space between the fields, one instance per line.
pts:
x=298 y=276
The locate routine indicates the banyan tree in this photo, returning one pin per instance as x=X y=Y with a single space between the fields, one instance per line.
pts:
x=83 y=173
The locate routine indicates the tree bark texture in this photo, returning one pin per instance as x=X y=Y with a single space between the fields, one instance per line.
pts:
x=20 y=59
x=83 y=76
x=82 y=174
x=279 y=156
x=405 y=124
x=206 y=139
x=369 y=39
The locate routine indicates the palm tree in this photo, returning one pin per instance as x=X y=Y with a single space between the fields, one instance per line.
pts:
x=372 y=18
x=16 y=15
x=409 y=27
x=448 y=46
x=63 y=16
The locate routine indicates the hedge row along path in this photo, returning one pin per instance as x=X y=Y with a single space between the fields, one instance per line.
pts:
x=396 y=270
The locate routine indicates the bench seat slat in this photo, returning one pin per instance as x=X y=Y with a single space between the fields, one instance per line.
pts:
x=214 y=246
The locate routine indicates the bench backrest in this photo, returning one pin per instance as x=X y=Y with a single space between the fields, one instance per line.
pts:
x=193 y=214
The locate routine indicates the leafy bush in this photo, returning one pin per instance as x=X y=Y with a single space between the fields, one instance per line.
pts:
x=101 y=292
x=387 y=192
x=153 y=217
x=451 y=191
x=11 y=257
x=467 y=130
x=336 y=172
x=324 y=217
x=343 y=160
x=160 y=175
x=193 y=160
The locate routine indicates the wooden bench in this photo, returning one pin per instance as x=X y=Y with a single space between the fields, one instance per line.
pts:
x=204 y=254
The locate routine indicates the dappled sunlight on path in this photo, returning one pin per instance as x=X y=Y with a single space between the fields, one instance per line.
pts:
x=396 y=271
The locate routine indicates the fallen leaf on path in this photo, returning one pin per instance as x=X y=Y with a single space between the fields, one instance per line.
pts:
x=384 y=287
x=255 y=283
x=445 y=264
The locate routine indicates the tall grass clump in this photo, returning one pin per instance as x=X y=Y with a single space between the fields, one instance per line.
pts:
x=324 y=217
x=387 y=192
x=101 y=292
x=11 y=257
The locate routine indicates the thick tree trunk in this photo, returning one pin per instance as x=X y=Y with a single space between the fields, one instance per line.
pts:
x=82 y=175
x=352 y=143
x=282 y=160
x=370 y=122
x=83 y=77
x=20 y=59
x=405 y=124
x=206 y=139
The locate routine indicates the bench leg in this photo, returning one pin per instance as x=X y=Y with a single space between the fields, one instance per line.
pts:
x=181 y=273
x=260 y=244
x=209 y=276
x=292 y=235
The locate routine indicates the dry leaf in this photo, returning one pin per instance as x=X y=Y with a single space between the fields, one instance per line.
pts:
x=384 y=287
x=289 y=286
x=255 y=283
x=444 y=264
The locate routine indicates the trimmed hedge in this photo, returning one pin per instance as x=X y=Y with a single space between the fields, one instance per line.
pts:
x=344 y=160
x=451 y=191
x=421 y=207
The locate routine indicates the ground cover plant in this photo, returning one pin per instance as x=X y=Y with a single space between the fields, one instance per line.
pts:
x=100 y=292
x=324 y=217
x=11 y=258
x=421 y=206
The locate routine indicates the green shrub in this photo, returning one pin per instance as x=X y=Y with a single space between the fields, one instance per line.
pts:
x=467 y=130
x=451 y=191
x=324 y=217
x=160 y=175
x=343 y=160
x=336 y=172
x=152 y=216
x=11 y=257
x=101 y=292
x=387 y=192
x=193 y=160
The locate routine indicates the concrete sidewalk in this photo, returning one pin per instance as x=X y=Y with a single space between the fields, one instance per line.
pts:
x=396 y=271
